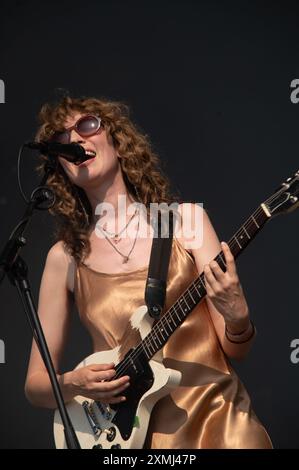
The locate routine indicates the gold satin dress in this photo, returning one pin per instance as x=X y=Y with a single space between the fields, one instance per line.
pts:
x=211 y=408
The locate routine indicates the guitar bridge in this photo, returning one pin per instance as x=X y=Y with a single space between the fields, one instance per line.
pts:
x=93 y=422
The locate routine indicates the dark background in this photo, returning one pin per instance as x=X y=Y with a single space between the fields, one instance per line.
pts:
x=209 y=81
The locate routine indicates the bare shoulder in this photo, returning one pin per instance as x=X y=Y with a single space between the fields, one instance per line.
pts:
x=61 y=263
x=189 y=230
x=58 y=256
x=192 y=209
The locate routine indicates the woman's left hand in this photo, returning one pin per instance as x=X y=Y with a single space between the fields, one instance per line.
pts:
x=224 y=289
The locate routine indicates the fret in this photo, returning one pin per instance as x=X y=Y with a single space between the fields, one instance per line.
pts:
x=222 y=259
x=255 y=222
x=157 y=337
x=149 y=347
x=180 y=304
x=240 y=246
x=144 y=349
x=202 y=282
x=198 y=293
x=185 y=303
x=166 y=322
x=190 y=300
x=242 y=237
x=154 y=339
x=201 y=285
x=261 y=217
x=179 y=318
x=172 y=319
x=161 y=330
x=192 y=297
x=247 y=234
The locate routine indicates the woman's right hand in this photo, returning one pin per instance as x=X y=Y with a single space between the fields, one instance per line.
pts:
x=94 y=382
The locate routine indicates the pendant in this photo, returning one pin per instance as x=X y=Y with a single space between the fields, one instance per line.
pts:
x=126 y=259
x=116 y=240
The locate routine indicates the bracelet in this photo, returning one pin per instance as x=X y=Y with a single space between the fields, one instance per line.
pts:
x=238 y=334
x=227 y=333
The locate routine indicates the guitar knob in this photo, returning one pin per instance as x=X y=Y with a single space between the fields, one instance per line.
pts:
x=116 y=446
x=98 y=446
x=111 y=434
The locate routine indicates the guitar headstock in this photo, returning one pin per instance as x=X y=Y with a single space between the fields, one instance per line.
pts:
x=286 y=198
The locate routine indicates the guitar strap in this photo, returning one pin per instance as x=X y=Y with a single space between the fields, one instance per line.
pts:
x=155 y=289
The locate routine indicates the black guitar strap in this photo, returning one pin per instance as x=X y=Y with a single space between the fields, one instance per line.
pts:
x=155 y=289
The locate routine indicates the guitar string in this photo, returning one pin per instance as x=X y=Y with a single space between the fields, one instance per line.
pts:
x=192 y=288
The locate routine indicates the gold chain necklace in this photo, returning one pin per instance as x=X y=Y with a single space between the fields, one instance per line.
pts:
x=116 y=236
x=125 y=257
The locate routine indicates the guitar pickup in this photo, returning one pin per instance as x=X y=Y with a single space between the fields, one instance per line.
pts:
x=105 y=410
x=136 y=367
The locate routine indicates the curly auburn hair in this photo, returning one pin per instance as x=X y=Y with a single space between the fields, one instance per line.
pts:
x=139 y=164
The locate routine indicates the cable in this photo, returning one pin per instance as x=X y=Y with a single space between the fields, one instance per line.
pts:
x=19 y=174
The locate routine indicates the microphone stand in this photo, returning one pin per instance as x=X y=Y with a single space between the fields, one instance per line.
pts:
x=17 y=271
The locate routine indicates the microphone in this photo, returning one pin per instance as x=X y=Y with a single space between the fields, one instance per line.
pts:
x=74 y=152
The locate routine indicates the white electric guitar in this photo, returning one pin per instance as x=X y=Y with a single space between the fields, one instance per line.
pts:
x=125 y=425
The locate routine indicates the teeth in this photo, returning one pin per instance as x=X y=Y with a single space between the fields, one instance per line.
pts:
x=90 y=152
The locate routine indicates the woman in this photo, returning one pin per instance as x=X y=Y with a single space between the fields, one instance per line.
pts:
x=106 y=276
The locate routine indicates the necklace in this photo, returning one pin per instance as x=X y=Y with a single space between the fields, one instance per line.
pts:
x=116 y=236
x=125 y=257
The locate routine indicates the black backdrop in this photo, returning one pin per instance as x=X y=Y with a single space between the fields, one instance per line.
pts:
x=209 y=81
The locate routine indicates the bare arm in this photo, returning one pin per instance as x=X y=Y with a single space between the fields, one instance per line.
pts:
x=234 y=310
x=54 y=313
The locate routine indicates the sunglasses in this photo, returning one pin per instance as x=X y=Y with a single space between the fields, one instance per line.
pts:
x=86 y=126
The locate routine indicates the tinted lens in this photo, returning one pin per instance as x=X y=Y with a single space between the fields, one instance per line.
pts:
x=88 y=125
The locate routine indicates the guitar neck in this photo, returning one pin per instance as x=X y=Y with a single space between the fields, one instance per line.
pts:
x=175 y=316
x=195 y=292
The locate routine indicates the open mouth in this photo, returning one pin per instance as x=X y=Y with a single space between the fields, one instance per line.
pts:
x=90 y=153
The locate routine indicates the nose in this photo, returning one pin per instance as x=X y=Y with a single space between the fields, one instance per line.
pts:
x=76 y=138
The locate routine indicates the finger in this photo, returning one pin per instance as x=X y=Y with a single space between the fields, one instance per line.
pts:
x=112 y=393
x=103 y=375
x=112 y=400
x=209 y=275
x=209 y=290
x=217 y=271
x=102 y=366
x=229 y=259
x=112 y=385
